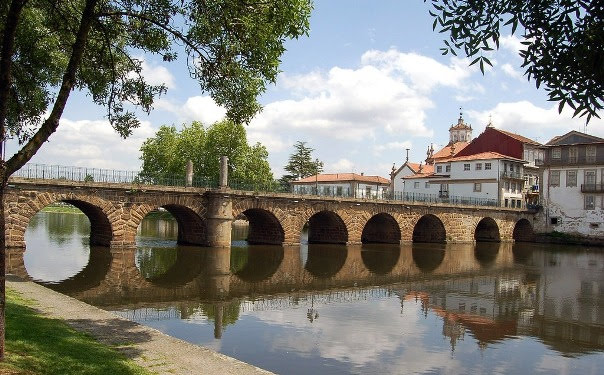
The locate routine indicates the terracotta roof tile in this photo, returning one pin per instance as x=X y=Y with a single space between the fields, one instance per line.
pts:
x=342 y=177
x=481 y=156
x=445 y=152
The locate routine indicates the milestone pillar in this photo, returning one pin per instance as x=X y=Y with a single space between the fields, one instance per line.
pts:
x=189 y=181
x=219 y=218
x=224 y=172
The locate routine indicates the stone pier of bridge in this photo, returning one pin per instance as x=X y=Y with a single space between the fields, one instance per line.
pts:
x=205 y=216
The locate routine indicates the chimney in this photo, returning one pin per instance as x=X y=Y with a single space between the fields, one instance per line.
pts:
x=362 y=173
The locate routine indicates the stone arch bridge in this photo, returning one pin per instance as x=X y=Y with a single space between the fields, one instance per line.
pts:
x=205 y=216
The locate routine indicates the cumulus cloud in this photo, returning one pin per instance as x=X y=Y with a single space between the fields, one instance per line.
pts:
x=157 y=74
x=93 y=143
x=511 y=71
x=536 y=122
x=202 y=108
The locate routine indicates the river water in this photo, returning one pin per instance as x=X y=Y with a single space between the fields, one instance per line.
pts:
x=330 y=309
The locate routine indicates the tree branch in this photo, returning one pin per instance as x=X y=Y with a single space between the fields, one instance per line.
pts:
x=6 y=59
x=49 y=126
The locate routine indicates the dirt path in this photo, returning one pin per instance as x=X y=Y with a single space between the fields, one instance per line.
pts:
x=146 y=346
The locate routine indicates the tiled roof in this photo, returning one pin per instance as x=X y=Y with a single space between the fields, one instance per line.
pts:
x=519 y=137
x=445 y=152
x=414 y=166
x=592 y=138
x=342 y=177
x=481 y=156
x=427 y=171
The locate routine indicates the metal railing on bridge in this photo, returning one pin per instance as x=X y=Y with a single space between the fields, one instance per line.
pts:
x=83 y=174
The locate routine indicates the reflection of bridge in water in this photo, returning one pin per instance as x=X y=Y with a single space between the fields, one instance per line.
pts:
x=493 y=291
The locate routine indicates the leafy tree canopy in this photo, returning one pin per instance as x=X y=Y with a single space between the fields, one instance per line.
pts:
x=50 y=47
x=300 y=164
x=562 y=43
x=165 y=156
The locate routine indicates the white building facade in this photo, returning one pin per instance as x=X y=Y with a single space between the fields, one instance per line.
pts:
x=573 y=185
x=486 y=178
x=343 y=185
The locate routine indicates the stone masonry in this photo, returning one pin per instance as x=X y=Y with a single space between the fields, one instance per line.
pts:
x=205 y=216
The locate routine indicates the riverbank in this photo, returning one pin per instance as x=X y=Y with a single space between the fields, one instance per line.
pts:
x=568 y=239
x=148 y=348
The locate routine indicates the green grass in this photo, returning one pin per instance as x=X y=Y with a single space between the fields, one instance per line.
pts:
x=39 y=345
x=63 y=209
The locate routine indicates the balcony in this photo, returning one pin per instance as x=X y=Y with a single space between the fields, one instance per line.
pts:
x=512 y=175
x=592 y=188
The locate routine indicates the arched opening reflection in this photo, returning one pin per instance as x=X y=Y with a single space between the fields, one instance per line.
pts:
x=380 y=259
x=264 y=227
x=427 y=257
x=325 y=261
x=429 y=228
x=58 y=240
x=169 y=267
x=486 y=253
x=523 y=231
x=90 y=276
x=171 y=222
x=256 y=263
x=381 y=228
x=487 y=231
x=327 y=227
x=523 y=253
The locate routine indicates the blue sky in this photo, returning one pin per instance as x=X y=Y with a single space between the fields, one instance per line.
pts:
x=368 y=82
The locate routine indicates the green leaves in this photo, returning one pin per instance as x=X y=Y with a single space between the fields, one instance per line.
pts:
x=562 y=43
x=300 y=163
x=166 y=155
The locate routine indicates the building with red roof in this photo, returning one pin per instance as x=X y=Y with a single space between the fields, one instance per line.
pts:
x=343 y=185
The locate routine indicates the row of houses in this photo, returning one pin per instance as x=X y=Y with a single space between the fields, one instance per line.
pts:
x=563 y=179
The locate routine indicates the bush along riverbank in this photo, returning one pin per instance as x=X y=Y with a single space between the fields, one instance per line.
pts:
x=39 y=345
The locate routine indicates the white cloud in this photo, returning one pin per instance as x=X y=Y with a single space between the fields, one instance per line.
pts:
x=340 y=166
x=511 y=71
x=202 y=108
x=510 y=43
x=157 y=74
x=424 y=72
x=93 y=143
x=400 y=146
x=535 y=122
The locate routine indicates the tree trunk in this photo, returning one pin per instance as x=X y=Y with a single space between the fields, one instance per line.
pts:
x=3 y=180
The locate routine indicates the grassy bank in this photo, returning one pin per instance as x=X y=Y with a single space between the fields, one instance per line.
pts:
x=63 y=209
x=39 y=345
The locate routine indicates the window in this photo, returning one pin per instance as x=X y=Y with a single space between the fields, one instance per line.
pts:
x=447 y=168
x=325 y=190
x=590 y=177
x=487 y=166
x=477 y=186
x=507 y=186
x=466 y=167
x=573 y=154
x=590 y=154
x=513 y=202
x=478 y=166
x=427 y=186
x=554 y=220
x=518 y=203
x=439 y=169
x=571 y=178
x=506 y=202
x=444 y=191
x=368 y=191
x=339 y=191
x=511 y=167
x=513 y=187
x=556 y=152
x=590 y=202
x=554 y=178
x=416 y=185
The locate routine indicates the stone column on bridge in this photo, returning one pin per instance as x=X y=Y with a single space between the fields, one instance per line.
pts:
x=219 y=217
x=189 y=173
x=224 y=172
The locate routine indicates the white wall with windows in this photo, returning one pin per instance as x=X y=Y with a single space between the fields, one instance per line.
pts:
x=567 y=208
x=497 y=179
x=343 y=189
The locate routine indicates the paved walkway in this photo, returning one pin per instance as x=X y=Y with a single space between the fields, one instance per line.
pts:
x=148 y=347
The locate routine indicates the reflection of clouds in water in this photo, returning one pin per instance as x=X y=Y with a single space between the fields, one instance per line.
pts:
x=52 y=261
x=560 y=365
x=362 y=338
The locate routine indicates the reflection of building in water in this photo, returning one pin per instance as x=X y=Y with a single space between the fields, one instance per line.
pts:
x=486 y=306
x=162 y=228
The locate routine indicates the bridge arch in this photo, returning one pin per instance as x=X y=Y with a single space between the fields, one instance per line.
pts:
x=325 y=261
x=523 y=231
x=381 y=228
x=186 y=211
x=256 y=264
x=429 y=228
x=99 y=212
x=327 y=227
x=380 y=259
x=487 y=230
x=264 y=227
